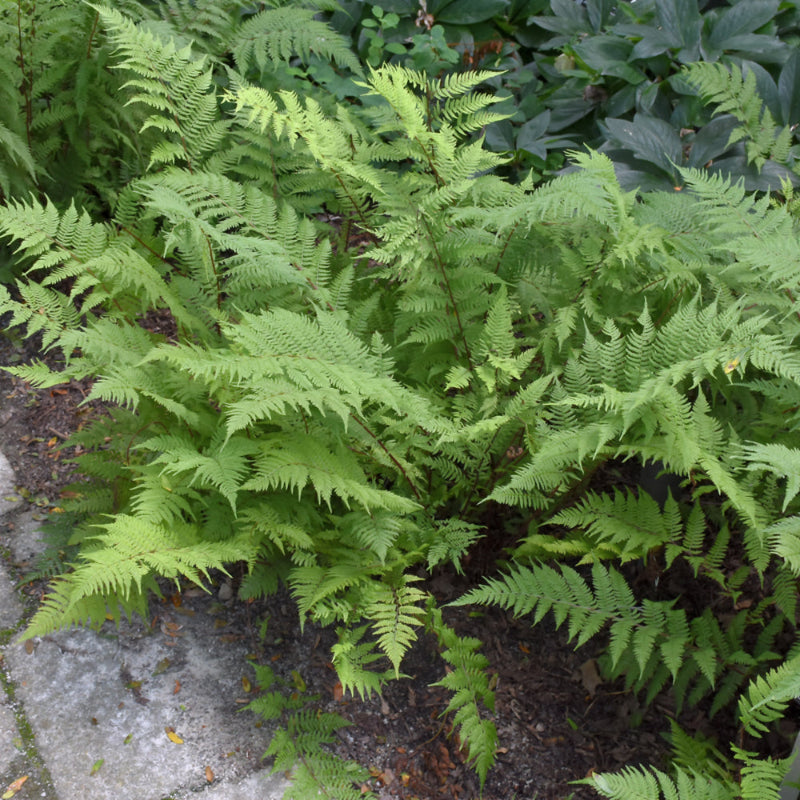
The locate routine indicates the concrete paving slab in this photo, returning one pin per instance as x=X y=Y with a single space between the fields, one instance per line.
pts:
x=137 y=712
x=23 y=536
x=9 y=500
x=10 y=606
x=109 y=702
x=9 y=734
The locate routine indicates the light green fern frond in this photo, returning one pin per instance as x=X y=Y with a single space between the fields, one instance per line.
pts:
x=395 y=611
x=736 y=92
x=637 y=783
x=470 y=684
x=177 y=88
x=274 y=35
x=768 y=697
x=122 y=564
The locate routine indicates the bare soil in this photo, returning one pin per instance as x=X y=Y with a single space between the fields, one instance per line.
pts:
x=557 y=720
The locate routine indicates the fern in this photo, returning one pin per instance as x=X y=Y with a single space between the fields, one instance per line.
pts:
x=122 y=563
x=341 y=420
x=170 y=82
x=735 y=92
x=274 y=35
x=299 y=748
x=470 y=685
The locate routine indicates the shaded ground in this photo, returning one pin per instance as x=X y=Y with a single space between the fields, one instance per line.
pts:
x=557 y=720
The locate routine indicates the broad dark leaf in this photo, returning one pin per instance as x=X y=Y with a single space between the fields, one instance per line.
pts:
x=468 y=12
x=609 y=55
x=649 y=139
x=654 y=42
x=741 y=19
x=568 y=18
x=531 y=135
x=769 y=178
x=599 y=12
x=635 y=174
x=766 y=48
x=711 y=140
x=567 y=107
x=500 y=136
x=681 y=20
x=621 y=102
x=789 y=91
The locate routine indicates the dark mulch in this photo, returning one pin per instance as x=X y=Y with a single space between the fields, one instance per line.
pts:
x=557 y=720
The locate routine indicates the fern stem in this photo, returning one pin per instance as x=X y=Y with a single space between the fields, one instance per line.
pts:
x=471 y=493
x=27 y=79
x=91 y=36
x=350 y=198
x=146 y=246
x=391 y=457
x=505 y=246
x=440 y=263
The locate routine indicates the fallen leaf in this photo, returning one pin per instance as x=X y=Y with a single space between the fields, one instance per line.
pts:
x=525 y=649
x=128 y=739
x=96 y=766
x=162 y=666
x=338 y=691
x=172 y=736
x=29 y=646
x=297 y=680
x=177 y=687
x=14 y=787
x=590 y=677
x=246 y=685
x=209 y=775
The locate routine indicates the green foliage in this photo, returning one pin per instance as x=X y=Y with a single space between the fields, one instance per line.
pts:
x=606 y=73
x=300 y=746
x=760 y=780
x=338 y=346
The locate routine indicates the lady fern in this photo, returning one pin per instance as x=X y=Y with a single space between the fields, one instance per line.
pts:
x=342 y=421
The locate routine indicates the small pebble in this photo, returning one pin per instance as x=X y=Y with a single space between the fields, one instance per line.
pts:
x=225 y=592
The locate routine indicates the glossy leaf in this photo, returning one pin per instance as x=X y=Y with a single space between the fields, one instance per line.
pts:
x=468 y=12
x=741 y=18
x=649 y=139
x=789 y=91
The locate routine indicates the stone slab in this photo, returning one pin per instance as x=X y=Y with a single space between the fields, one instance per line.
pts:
x=8 y=736
x=9 y=500
x=10 y=606
x=110 y=704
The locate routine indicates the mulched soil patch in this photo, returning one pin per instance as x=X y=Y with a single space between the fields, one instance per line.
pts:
x=557 y=720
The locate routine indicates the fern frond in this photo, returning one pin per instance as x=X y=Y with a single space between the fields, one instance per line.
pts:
x=469 y=682
x=778 y=459
x=395 y=611
x=637 y=783
x=122 y=564
x=768 y=696
x=177 y=88
x=736 y=92
x=275 y=35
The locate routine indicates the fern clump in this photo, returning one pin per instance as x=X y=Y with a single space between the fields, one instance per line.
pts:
x=342 y=422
